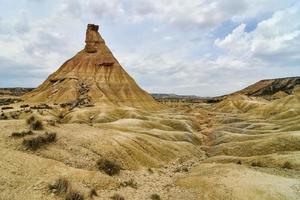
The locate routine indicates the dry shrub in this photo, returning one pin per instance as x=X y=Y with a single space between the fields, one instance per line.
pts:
x=51 y=122
x=24 y=106
x=41 y=106
x=287 y=165
x=93 y=192
x=74 y=196
x=37 y=142
x=7 y=108
x=21 y=134
x=155 y=197
x=117 y=197
x=109 y=167
x=150 y=170
x=130 y=183
x=15 y=115
x=34 y=123
x=257 y=164
x=3 y=117
x=61 y=186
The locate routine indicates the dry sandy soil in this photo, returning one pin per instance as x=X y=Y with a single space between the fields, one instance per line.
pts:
x=240 y=148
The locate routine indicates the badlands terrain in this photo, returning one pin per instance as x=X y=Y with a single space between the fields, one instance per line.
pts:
x=90 y=132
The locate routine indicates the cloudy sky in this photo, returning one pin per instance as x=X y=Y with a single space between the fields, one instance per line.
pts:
x=202 y=47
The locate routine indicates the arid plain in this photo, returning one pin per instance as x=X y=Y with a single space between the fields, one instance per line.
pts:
x=90 y=132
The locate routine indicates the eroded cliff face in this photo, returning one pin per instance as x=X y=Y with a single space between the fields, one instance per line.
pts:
x=92 y=39
x=92 y=76
x=271 y=87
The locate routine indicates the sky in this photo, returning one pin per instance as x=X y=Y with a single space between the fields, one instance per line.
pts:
x=191 y=47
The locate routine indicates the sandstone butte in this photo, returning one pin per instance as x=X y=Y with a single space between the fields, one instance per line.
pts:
x=92 y=76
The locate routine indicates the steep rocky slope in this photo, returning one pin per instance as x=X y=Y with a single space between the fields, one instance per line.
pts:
x=92 y=76
x=271 y=86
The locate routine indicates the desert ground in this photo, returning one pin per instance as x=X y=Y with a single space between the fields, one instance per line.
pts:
x=90 y=132
x=239 y=148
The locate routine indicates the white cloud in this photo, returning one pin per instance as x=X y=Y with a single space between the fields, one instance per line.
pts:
x=274 y=39
x=167 y=45
x=203 y=13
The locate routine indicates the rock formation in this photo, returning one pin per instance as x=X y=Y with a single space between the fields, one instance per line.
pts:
x=92 y=76
x=271 y=87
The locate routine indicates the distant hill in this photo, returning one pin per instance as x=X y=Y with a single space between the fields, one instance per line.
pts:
x=17 y=91
x=263 y=88
x=271 y=86
x=167 y=96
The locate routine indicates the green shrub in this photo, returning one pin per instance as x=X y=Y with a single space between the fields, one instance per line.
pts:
x=109 y=167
